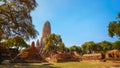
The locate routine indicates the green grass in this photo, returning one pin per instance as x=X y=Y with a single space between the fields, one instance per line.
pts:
x=85 y=64
x=82 y=64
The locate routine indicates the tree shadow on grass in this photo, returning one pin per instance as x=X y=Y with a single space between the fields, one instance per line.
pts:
x=116 y=66
x=27 y=65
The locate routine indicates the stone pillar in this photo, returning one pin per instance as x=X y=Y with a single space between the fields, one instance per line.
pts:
x=46 y=29
x=45 y=32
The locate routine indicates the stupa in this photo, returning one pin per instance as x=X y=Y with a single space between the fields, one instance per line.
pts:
x=45 y=32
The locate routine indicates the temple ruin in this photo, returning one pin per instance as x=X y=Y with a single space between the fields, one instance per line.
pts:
x=45 y=32
x=29 y=55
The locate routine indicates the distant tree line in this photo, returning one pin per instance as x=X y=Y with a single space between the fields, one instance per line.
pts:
x=92 y=47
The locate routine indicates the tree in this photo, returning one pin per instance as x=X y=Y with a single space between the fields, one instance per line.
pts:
x=105 y=46
x=76 y=48
x=67 y=49
x=15 y=19
x=61 y=47
x=54 y=43
x=16 y=42
x=114 y=27
x=99 y=48
x=116 y=45
x=89 y=47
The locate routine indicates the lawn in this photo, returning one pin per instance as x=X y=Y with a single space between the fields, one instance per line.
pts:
x=82 y=64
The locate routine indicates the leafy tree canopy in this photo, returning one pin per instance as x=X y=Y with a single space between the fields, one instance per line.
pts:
x=15 y=19
x=105 y=46
x=78 y=49
x=116 y=45
x=16 y=42
x=114 y=27
x=54 y=43
x=89 y=47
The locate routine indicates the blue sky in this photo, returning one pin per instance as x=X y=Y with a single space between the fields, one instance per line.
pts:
x=77 y=21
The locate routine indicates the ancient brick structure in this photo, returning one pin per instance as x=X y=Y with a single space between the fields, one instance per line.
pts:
x=28 y=55
x=64 y=57
x=45 y=32
x=95 y=56
x=46 y=29
x=113 y=55
x=7 y=53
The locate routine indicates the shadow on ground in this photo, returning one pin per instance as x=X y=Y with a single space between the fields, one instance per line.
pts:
x=115 y=66
x=27 y=65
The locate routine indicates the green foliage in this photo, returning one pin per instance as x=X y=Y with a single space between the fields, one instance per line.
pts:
x=61 y=47
x=101 y=47
x=89 y=47
x=16 y=42
x=15 y=19
x=118 y=15
x=67 y=49
x=116 y=45
x=105 y=46
x=114 y=27
x=75 y=48
x=54 y=43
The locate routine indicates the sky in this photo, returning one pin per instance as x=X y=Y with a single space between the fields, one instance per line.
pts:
x=77 y=21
